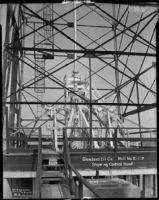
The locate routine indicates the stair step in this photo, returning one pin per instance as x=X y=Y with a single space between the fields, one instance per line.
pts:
x=52 y=174
x=52 y=168
x=43 y=143
x=53 y=180
x=49 y=161
x=53 y=165
x=50 y=152
x=43 y=136
x=52 y=161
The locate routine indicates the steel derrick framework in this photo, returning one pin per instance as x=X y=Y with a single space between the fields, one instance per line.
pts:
x=112 y=47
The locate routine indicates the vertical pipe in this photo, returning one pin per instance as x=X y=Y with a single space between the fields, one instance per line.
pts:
x=90 y=93
x=13 y=86
x=39 y=161
x=66 y=97
x=21 y=79
x=14 y=73
x=75 y=33
x=7 y=132
x=34 y=40
x=138 y=101
x=52 y=30
x=55 y=133
x=6 y=65
x=116 y=62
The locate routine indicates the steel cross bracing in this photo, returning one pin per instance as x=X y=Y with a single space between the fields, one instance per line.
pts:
x=115 y=48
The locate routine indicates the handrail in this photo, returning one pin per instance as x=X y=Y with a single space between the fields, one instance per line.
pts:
x=115 y=139
x=86 y=183
x=25 y=139
x=83 y=180
x=111 y=139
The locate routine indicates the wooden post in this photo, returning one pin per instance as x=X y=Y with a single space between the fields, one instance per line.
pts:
x=97 y=173
x=65 y=156
x=76 y=190
x=71 y=181
x=115 y=140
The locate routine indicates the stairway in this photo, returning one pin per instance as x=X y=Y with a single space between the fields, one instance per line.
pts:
x=52 y=166
x=53 y=184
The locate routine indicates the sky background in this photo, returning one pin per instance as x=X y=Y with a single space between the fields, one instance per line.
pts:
x=148 y=118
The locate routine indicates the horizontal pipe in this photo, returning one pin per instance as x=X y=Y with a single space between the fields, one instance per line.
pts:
x=112 y=139
x=125 y=127
x=87 y=128
x=59 y=88
x=87 y=51
x=79 y=103
x=129 y=150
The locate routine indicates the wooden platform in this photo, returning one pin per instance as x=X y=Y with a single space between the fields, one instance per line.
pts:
x=117 y=172
x=19 y=165
x=19 y=162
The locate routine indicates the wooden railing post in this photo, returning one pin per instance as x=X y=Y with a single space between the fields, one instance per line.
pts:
x=76 y=190
x=65 y=156
x=71 y=182
x=115 y=139
x=39 y=164
x=68 y=169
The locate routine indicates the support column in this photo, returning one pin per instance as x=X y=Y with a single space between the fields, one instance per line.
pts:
x=141 y=182
x=35 y=188
x=155 y=185
x=147 y=186
x=7 y=193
